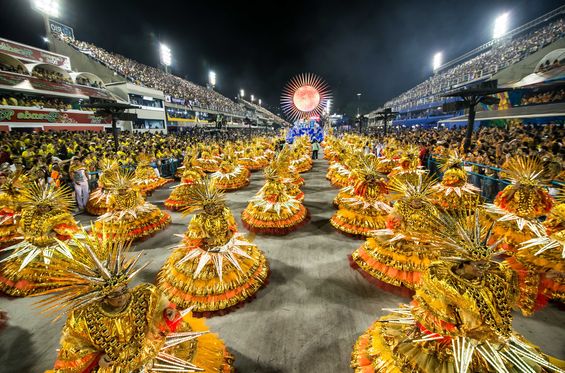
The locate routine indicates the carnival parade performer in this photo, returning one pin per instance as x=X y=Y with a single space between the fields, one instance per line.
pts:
x=515 y=216
x=272 y=210
x=45 y=220
x=215 y=268
x=365 y=207
x=10 y=208
x=231 y=176
x=540 y=261
x=98 y=200
x=454 y=192
x=393 y=255
x=129 y=216
x=191 y=174
x=146 y=177
x=460 y=319
x=112 y=328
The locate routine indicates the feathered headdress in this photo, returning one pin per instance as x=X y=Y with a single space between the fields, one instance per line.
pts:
x=454 y=160
x=202 y=194
x=526 y=197
x=98 y=267
x=41 y=194
x=461 y=236
x=108 y=164
x=12 y=185
x=408 y=188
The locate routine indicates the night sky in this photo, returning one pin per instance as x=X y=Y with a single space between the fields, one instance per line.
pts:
x=377 y=48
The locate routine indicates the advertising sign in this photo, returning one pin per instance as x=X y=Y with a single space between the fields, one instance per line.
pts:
x=22 y=51
x=59 y=28
x=44 y=116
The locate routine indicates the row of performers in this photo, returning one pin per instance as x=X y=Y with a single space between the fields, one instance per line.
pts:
x=466 y=264
x=214 y=270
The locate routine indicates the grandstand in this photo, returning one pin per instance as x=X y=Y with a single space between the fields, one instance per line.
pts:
x=508 y=60
x=187 y=103
x=43 y=90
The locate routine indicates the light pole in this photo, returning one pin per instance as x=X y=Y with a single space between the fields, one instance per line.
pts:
x=241 y=93
x=358 y=103
x=252 y=98
x=166 y=56
x=47 y=8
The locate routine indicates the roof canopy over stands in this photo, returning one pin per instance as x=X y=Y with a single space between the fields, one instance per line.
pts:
x=553 y=58
x=7 y=60
x=88 y=76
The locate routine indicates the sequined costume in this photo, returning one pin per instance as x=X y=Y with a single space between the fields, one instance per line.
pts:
x=287 y=172
x=146 y=179
x=460 y=319
x=177 y=200
x=517 y=208
x=540 y=261
x=130 y=217
x=45 y=218
x=113 y=329
x=10 y=210
x=408 y=163
x=230 y=175
x=98 y=201
x=253 y=160
x=454 y=192
x=364 y=208
x=208 y=162
x=272 y=210
x=393 y=255
x=515 y=214
x=215 y=268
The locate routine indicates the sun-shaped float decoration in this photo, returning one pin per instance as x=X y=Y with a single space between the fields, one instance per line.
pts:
x=305 y=95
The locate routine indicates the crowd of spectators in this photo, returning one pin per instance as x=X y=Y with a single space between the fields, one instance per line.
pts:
x=500 y=55
x=18 y=69
x=543 y=97
x=195 y=96
x=52 y=76
x=39 y=102
x=88 y=83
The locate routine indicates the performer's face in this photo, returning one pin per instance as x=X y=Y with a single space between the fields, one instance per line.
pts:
x=118 y=299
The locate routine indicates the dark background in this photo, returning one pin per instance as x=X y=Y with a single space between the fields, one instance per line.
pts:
x=379 y=49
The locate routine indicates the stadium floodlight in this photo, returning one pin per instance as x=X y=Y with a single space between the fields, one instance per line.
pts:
x=501 y=25
x=241 y=93
x=436 y=64
x=49 y=8
x=45 y=39
x=166 y=56
x=252 y=98
x=212 y=78
x=328 y=106
x=259 y=102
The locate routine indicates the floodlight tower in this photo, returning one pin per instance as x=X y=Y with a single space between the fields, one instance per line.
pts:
x=436 y=64
x=241 y=93
x=166 y=56
x=212 y=79
x=48 y=9
x=358 y=102
x=252 y=98
x=501 y=24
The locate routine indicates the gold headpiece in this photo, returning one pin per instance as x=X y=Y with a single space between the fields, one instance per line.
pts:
x=203 y=194
x=12 y=184
x=454 y=160
x=271 y=173
x=98 y=267
x=124 y=179
x=108 y=164
x=523 y=170
x=42 y=194
x=418 y=186
x=461 y=236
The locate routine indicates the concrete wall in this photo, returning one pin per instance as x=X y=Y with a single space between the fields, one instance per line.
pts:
x=81 y=62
